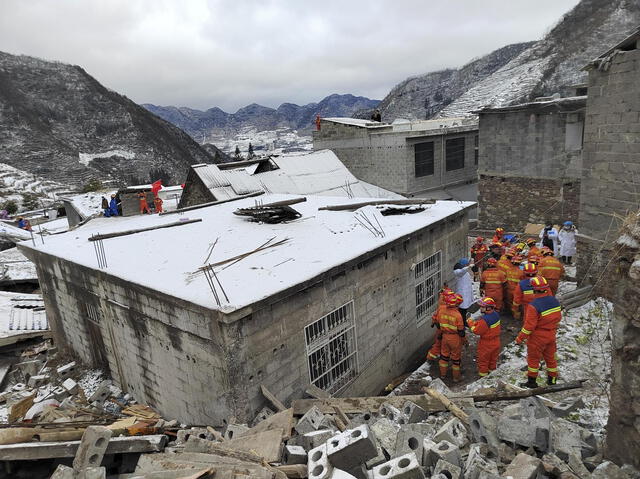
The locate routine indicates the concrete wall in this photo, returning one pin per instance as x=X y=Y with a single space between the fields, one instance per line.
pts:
x=195 y=192
x=387 y=159
x=529 y=167
x=611 y=181
x=201 y=366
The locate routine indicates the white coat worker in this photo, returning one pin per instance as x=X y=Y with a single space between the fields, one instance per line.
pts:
x=567 y=237
x=549 y=238
x=464 y=284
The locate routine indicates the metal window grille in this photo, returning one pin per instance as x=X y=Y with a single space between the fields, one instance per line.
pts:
x=428 y=278
x=454 y=154
x=332 y=352
x=424 y=156
x=476 y=149
x=93 y=313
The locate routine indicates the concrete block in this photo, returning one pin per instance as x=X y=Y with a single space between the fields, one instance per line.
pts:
x=439 y=385
x=525 y=431
x=448 y=470
x=340 y=474
x=379 y=459
x=454 y=432
x=183 y=435
x=385 y=432
x=360 y=419
x=38 y=381
x=327 y=423
x=480 y=460
x=566 y=407
x=63 y=472
x=234 y=430
x=70 y=386
x=30 y=368
x=102 y=393
x=66 y=371
x=263 y=414
x=403 y=467
x=408 y=441
x=533 y=407
x=524 y=467
x=94 y=473
x=314 y=439
x=483 y=428
x=59 y=393
x=310 y=421
x=92 y=447
x=19 y=387
x=442 y=450
x=393 y=414
x=413 y=412
x=352 y=447
x=568 y=438
x=294 y=455
x=318 y=463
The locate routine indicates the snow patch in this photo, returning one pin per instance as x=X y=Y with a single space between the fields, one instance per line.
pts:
x=85 y=158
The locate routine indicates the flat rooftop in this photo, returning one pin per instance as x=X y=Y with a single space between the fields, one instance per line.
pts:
x=412 y=127
x=169 y=259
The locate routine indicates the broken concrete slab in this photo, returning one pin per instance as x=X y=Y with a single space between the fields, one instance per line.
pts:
x=311 y=421
x=312 y=439
x=263 y=414
x=403 y=467
x=386 y=432
x=266 y=444
x=483 y=428
x=525 y=432
x=451 y=471
x=352 y=447
x=282 y=420
x=567 y=406
x=575 y=463
x=535 y=408
x=413 y=412
x=524 y=467
x=480 y=460
x=235 y=430
x=92 y=448
x=568 y=438
x=63 y=472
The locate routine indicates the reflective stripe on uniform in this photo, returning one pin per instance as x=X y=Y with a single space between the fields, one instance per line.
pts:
x=550 y=311
x=455 y=368
x=448 y=326
x=492 y=282
x=528 y=291
x=482 y=374
x=525 y=331
x=533 y=370
x=497 y=323
x=551 y=267
x=552 y=370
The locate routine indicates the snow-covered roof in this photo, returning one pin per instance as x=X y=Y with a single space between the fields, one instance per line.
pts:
x=228 y=184
x=575 y=102
x=12 y=233
x=14 y=266
x=353 y=121
x=629 y=43
x=404 y=125
x=315 y=243
x=89 y=204
x=21 y=313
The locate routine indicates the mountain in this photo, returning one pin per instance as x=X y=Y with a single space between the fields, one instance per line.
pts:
x=423 y=96
x=214 y=122
x=553 y=64
x=60 y=123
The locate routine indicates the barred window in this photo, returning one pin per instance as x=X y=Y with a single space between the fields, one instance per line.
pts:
x=93 y=314
x=476 y=149
x=428 y=278
x=332 y=349
x=454 y=154
x=424 y=159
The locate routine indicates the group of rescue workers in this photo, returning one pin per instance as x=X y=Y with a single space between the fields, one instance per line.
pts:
x=519 y=278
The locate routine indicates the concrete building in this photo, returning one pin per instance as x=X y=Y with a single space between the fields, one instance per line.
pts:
x=530 y=163
x=320 y=173
x=321 y=299
x=412 y=158
x=611 y=173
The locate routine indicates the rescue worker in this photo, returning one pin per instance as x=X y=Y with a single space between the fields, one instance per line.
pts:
x=551 y=269
x=493 y=283
x=452 y=327
x=523 y=293
x=487 y=327
x=504 y=263
x=434 y=352
x=495 y=250
x=113 y=205
x=541 y=319
x=24 y=224
x=514 y=276
x=479 y=252
x=534 y=260
x=533 y=248
x=157 y=203
x=497 y=238
x=144 y=207
x=104 y=204
x=567 y=237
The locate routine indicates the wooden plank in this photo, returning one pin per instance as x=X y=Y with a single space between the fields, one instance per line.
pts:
x=211 y=203
x=341 y=415
x=142 y=230
x=281 y=421
x=294 y=471
x=355 y=206
x=272 y=399
x=48 y=450
x=459 y=413
x=357 y=405
x=19 y=409
x=263 y=446
x=294 y=201
x=524 y=393
x=317 y=393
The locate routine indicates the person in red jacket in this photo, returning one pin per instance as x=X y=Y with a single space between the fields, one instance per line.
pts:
x=523 y=293
x=144 y=207
x=514 y=276
x=452 y=327
x=479 y=252
x=487 y=327
x=497 y=238
x=434 y=351
x=493 y=283
x=551 y=269
x=541 y=319
x=157 y=202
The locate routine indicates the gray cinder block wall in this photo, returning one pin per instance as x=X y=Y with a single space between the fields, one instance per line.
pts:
x=385 y=157
x=202 y=366
x=530 y=163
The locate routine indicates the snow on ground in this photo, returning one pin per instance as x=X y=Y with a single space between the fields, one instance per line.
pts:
x=282 y=140
x=14 y=266
x=85 y=158
x=89 y=204
x=14 y=183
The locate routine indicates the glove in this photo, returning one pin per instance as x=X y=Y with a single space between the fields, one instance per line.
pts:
x=521 y=338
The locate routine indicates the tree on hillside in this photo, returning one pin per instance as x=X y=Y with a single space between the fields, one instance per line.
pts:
x=250 y=154
x=93 y=185
x=237 y=153
x=10 y=206
x=160 y=174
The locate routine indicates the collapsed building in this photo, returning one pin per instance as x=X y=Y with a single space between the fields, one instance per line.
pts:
x=193 y=312
x=434 y=158
x=530 y=162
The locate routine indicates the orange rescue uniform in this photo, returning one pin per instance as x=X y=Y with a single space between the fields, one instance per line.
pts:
x=488 y=328
x=541 y=319
x=452 y=328
x=551 y=269
x=514 y=276
x=157 y=201
x=144 y=207
x=478 y=253
x=534 y=251
x=434 y=352
x=493 y=282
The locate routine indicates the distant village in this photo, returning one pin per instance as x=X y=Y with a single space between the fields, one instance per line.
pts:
x=277 y=316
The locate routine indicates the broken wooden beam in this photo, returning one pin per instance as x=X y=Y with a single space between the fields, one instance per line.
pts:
x=211 y=203
x=355 y=206
x=525 y=393
x=272 y=399
x=293 y=201
x=294 y=471
x=142 y=230
x=317 y=393
x=451 y=406
x=357 y=405
x=49 y=450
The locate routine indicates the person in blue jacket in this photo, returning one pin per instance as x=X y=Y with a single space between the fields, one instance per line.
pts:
x=113 y=206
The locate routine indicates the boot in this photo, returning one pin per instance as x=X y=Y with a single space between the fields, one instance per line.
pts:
x=551 y=380
x=456 y=375
x=531 y=383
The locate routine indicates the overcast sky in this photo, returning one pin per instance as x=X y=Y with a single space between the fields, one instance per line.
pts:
x=230 y=53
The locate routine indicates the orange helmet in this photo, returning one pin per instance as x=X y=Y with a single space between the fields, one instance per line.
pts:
x=495 y=244
x=487 y=302
x=451 y=300
x=531 y=242
x=538 y=283
x=479 y=239
x=534 y=259
x=510 y=252
x=530 y=269
x=492 y=261
x=517 y=259
x=546 y=251
x=499 y=231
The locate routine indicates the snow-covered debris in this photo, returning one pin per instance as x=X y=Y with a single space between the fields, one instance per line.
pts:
x=14 y=266
x=20 y=313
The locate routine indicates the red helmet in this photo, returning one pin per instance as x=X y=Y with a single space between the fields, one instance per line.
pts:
x=451 y=300
x=487 y=302
x=517 y=259
x=492 y=261
x=479 y=239
x=495 y=244
x=446 y=291
x=546 y=251
x=530 y=269
x=538 y=283
x=499 y=231
x=459 y=299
